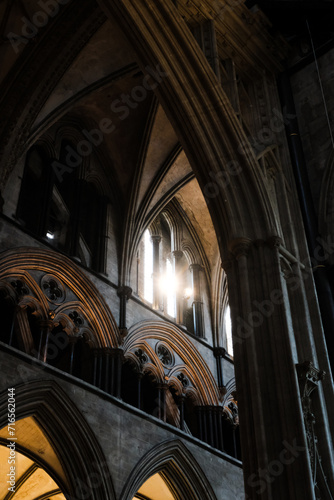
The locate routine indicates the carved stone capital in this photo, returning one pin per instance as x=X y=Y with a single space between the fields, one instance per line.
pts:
x=239 y=247
x=286 y=268
x=222 y=392
x=156 y=238
x=195 y=267
x=274 y=241
x=73 y=339
x=227 y=265
x=309 y=377
x=163 y=386
x=177 y=254
x=124 y=291
x=123 y=333
x=219 y=352
x=107 y=351
x=46 y=324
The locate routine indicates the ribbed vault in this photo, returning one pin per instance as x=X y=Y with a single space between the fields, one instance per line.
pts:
x=202 y=116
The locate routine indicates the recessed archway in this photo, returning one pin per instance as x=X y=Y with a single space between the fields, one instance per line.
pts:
x=72 y=453
x=29 y=464
x=176 y=467
x=154 y=488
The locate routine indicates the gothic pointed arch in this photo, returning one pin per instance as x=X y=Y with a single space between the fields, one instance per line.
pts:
x=61 y=280
x=72 y=438
x=214 y=136
x=158 y=337
x=174 y=462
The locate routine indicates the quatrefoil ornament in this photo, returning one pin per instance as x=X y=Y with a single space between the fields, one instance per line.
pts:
x=165 y=355
x=53 y=289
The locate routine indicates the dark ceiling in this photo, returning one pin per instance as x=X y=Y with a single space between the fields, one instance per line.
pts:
x=290 y=17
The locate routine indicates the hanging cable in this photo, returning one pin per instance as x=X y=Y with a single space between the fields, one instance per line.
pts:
x=320 y=83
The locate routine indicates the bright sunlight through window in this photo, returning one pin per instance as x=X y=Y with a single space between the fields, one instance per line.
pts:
x=148 y=267
x=168 y=287
x=228 y=330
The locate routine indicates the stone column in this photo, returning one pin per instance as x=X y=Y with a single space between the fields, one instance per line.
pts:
x=25 y=338
x=197 y=303
x=219 y=417
x=16 y=310
x=117 y=359
x=177 y=256
x=219 y=353
x=107 y=370
x=162 y=388
x=199 y=411
x=46 y=327
x=139 y=390
x=156 y=239
x=182 y=397
x=124 y=293
x=72 y=342
x=98 y=367
x=273 y=435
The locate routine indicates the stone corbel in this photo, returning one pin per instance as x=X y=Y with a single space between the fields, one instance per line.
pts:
x=309 y=377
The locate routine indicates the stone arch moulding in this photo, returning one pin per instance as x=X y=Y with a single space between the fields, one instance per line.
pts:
x=202 y=115
x=36 y=259
x=145 y=332
x=70 y=435
x=179 y=469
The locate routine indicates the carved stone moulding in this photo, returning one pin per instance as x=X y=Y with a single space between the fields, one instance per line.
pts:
x=142 y=357
x=165 y=354
x=21 y=288
x=53 y=289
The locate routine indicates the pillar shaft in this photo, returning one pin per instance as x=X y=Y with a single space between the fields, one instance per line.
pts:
x=181 y=408
x=124 y=293
x=177 y=256
x=139 y=391
x=271 y=422
x=156 y=271
x=72 y=342
x=162 y=402
x=197 y=303
x=46 y=327
x=219 y=353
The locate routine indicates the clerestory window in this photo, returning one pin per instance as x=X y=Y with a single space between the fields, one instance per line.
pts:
x=68 y=212
x=228 y=330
